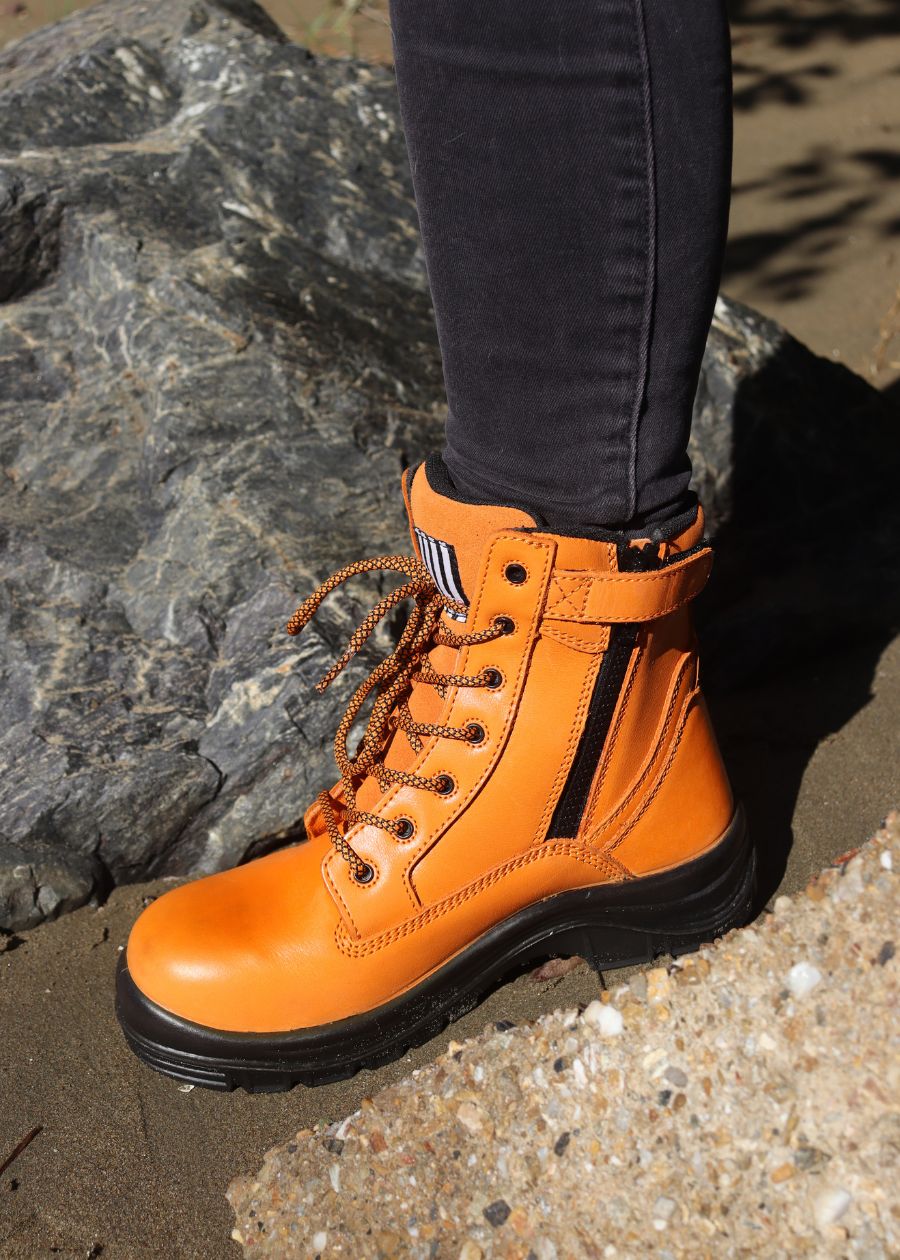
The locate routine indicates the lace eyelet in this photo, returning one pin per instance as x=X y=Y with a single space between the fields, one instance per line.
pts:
x=505 y=625
x=364 y=874
x=475 y=733
x=405 y=828
x=515 y=573
x=444 y=785
x=492 y=679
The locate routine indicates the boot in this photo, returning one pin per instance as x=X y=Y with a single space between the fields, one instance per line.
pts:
x=538 y=777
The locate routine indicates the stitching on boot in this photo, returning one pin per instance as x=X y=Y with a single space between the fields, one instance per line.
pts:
x=567 y=590
x=676 y=703
x=428 y=746
x=636 y=658
x=562 y=773
x=567 y=848
x=652 y=759
x=682 y=573
x=626 y=872
x=337 y=894
x=569 y=812
x=597 y=647
x=663 y=775
x=512 y=711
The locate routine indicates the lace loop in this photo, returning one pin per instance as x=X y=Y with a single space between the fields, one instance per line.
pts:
x=392 y=680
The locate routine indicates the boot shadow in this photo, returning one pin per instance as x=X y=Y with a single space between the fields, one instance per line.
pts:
x=806 y=588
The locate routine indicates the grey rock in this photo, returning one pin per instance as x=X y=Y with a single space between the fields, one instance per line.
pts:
x=218 y=355
x=38 y=882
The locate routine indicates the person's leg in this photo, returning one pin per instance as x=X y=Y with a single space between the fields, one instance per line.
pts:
x=571 y=163
x=538 y=774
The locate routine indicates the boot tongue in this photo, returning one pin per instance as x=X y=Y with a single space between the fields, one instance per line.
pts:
x=450 y=536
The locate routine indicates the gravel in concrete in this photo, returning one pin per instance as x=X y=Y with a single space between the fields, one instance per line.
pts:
x=743 y=1101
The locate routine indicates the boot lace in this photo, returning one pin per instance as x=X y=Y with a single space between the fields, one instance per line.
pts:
x=392 y=681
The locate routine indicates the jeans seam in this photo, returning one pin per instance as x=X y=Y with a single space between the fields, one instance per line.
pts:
x=650 y=266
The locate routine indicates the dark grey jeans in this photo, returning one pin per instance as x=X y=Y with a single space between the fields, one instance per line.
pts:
x=571 y=162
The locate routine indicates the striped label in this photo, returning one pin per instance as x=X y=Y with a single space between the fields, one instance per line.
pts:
x=439 y=559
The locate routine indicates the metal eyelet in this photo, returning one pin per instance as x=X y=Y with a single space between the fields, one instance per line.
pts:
x=364 y=875
x=505 y=625
x=515 y=573
x=475 y=733
x=492 y=678
x=444 y=785
x=405 y=828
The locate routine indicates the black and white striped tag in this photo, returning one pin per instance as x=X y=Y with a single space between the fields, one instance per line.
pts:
x=439 y=559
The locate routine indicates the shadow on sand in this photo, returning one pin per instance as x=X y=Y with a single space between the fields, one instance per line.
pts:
x=806 y=593
x=828 y=188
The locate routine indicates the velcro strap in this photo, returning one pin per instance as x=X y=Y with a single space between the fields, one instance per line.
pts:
x=627 y=597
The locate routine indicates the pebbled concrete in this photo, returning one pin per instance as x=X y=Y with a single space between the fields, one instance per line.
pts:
x=732 y=1104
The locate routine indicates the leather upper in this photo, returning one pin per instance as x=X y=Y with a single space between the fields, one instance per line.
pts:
x=293 y=940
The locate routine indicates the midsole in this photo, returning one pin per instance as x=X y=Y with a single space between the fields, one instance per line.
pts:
x=678 y=909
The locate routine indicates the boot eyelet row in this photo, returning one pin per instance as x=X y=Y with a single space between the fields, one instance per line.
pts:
x=405 y=829
x=475 y=733
x=365 y=875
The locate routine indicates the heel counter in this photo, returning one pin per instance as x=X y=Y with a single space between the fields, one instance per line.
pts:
x=691 y=805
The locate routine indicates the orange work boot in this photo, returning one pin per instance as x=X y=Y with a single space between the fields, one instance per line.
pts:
x=538 y=777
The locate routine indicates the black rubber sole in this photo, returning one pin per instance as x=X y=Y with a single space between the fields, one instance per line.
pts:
x=611 y=925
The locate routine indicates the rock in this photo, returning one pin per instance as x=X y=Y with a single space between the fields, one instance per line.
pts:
x=218 y=356
x=605 y=1018
x=38 y=881
x=555 y=969
x=803 y=978
x=830 y=1206
x=663 y=1209
x=659 y=986
x=473 y=1117
x=497 y=1213
x=808 y=1157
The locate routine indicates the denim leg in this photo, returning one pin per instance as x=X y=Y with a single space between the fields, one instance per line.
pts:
x=571 y=165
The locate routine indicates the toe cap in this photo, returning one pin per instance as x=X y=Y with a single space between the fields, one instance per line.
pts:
x=237 y=951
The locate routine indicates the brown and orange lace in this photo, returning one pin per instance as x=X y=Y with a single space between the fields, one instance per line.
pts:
x=392 y=681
